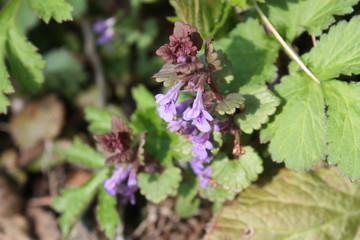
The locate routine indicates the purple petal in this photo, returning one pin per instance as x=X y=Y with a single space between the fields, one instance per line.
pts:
x=132 y=181
x=200 y=151
x=177 y=125
x=182 y=106
x=202 y=124
x=209 y=145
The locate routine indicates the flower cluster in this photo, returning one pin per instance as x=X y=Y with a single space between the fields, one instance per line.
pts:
x=119 y=142
x=106 y=30
x=190 y=117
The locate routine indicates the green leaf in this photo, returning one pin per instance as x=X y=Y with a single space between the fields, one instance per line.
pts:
x=25 y=18
x=217 y=194
x=143 y=97
x=207 y=16
x=343 y=123
x=240 y=3
x=99 y=120
x=107 y=214
x=298 y=132
x=260 y=103
x=167 y=75
x=229 y=105
x=63 y=70
x=304 y=205
x=83 y=154
x=182 y=148
x=5 y=86
x=252 y=54
x=236 y=175
x=186 y=204
x=291 y=18
x=19 y=51
x=337 y=52
x=72 y=202
x=157 y=187
x=217 y=142
x=59 y=10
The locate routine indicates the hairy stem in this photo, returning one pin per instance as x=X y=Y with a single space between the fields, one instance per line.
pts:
x=287 y=48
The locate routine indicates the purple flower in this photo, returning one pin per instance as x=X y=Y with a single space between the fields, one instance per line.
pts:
x=128 y=192
x=203 y=173
x=201 y=144
x=198 y=114
x=177 y=125
x=119 y=175
x=205 y=176
x=106 y=30
x=182 y=106
x=167 y=108
x=191 y=130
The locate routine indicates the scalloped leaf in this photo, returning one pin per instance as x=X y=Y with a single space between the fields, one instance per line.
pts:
x=187 y=204
x=157 y=187
x=291 y=18
x=212 y=57
x=260 y=103
x=229 y=105
x=236 y=175
x=72 y=202
x=167 y=75
x=294 y=205
x=217 y=194
x=59 y=10
x=298 y=132
x=343 y=124
x=107 y=214
x=83 y=154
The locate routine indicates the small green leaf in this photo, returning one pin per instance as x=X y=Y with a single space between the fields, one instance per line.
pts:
x=99 y=120
x=59 y=10
x=83 y=154
x=182 y=148
x=240 y=3
x=252 y=53
x=343 y=124
x=236 y=175
x=291 y=18
x=167 y=75
x=298 y=133
x=157 y=187
x=260 y=103
x=217 y=194
x=19 y=51
x=107 y=214
x=229 y=105
x=72 y=202
x=294 y=205
x=143 y=97
x=207 y=16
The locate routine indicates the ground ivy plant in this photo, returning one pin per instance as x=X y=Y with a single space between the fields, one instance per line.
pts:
x=194 y=142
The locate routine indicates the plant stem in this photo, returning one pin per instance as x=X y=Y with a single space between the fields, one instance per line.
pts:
x=287 y=48
x=90 y=52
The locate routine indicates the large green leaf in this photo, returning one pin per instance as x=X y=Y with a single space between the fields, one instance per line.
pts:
x=83 y=154
x=298 y=132
x=72 y=202
x=186 y=204
x=291 y=18
x=107 y=214
x=238 y=174
x=156 y=187
x=337 y=52
x=59 y=10
x=304 y=205
x=7 y=19
x=252 y=54
x=207 y=16
x=260 y=103
x=343 y=123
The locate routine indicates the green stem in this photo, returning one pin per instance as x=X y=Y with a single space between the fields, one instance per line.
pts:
x=287 y=48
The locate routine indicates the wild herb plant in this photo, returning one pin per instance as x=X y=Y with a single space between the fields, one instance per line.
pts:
x=199 y=140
